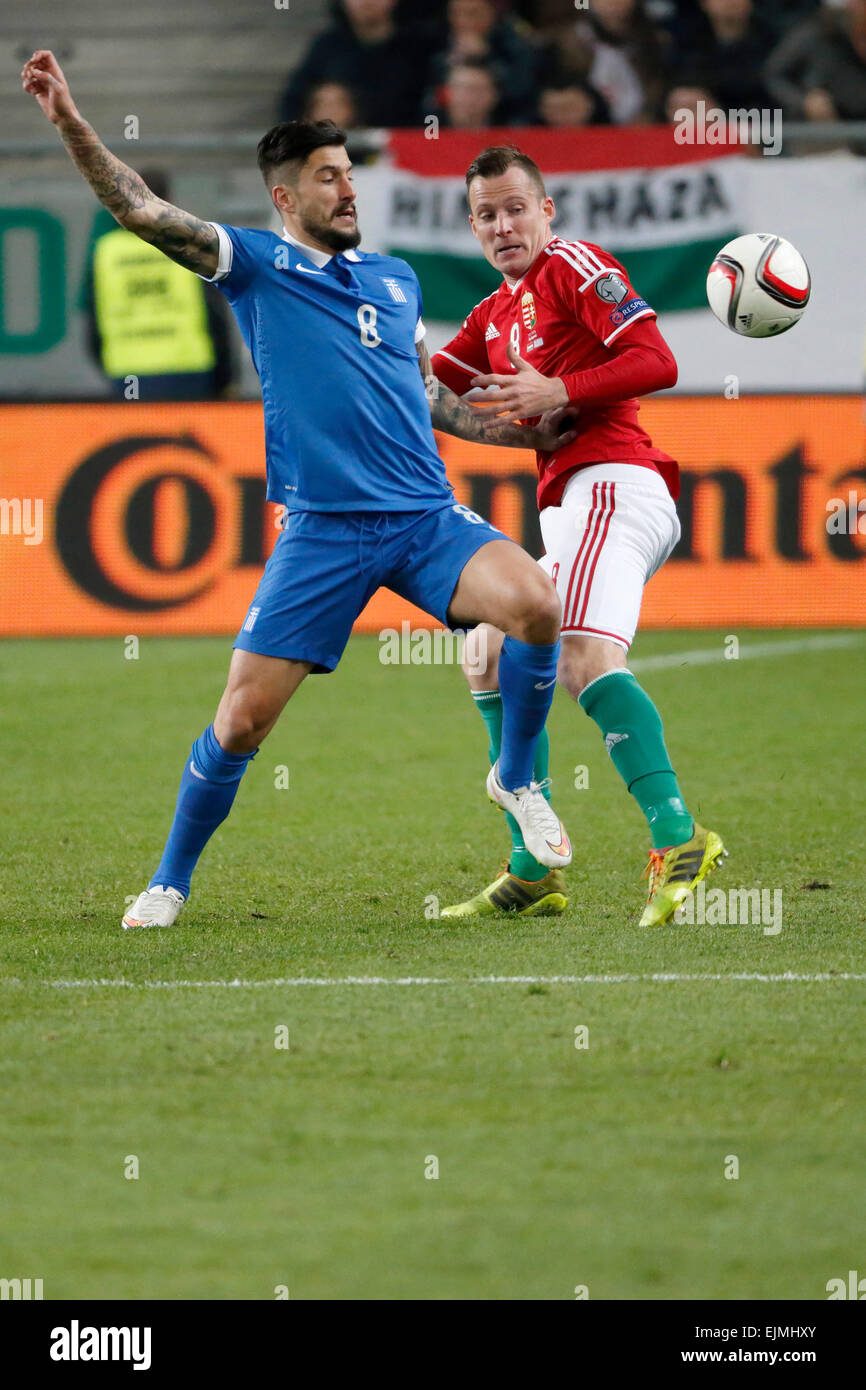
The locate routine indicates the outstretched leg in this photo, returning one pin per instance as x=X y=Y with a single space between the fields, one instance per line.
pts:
x=257 y=690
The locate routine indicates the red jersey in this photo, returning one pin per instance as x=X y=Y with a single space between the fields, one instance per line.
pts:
x=562 y=317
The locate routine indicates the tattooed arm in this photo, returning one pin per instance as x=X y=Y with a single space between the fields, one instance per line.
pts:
x=452 y=415
x=184 y=238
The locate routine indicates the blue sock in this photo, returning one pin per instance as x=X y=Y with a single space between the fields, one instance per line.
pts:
x=203 y=802
x=527 y=680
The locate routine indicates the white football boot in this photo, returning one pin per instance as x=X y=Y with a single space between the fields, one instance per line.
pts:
x=155 y=907
x=543 y=832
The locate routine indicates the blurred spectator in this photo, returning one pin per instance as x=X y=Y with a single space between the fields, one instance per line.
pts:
x=546 y=14
x=782 y=15
x=698 y=100
x=333 y=101
x=818 y=73
x=572 y=102
x=363 y=49
x=471 y=96
x=704 y=106
x=150 y=319
x=687 y=24
x=476 y=30
x=728 y=55
x=626 y=57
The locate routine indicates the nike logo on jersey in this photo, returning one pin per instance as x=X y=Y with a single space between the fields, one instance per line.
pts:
x=195 y=772
x=492 y=332
x=545 y=685
x=307 y=269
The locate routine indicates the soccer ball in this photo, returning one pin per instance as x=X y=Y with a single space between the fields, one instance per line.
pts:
x=759 y=285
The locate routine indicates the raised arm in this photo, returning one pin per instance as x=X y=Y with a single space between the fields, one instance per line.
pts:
x=184 y=238
x=452 y=415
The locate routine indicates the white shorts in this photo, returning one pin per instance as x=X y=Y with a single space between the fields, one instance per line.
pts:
x=616 y=525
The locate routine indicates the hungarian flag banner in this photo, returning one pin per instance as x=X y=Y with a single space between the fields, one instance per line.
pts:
x=661 y=207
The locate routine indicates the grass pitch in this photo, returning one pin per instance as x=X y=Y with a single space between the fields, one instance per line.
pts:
x=261 y=1166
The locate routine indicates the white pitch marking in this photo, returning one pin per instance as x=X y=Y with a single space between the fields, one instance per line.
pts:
x=705 y=656
x=699 y=657
x=786 y=977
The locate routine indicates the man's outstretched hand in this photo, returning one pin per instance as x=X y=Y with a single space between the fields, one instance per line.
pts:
x=42 y=76
x=523 y=394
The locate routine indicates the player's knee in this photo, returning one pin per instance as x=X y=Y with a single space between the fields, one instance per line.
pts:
x=537 y=612
x=572 y=674
x=243 y=720
x=582 y=661
x=480 y=659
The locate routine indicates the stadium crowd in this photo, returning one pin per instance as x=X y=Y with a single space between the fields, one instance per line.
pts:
x=474 y=63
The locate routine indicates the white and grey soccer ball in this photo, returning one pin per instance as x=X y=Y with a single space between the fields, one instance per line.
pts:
x=759 y=285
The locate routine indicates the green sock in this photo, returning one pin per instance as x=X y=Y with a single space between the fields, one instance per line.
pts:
x=634 y=737
x=521 y=863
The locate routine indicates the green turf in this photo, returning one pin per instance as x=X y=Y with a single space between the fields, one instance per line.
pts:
x=558 y=1167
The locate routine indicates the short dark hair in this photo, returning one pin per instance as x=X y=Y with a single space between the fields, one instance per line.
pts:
x=292 y=142
x=498 y=159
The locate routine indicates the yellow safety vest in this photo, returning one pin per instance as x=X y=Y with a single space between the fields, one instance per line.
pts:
x=150 y=312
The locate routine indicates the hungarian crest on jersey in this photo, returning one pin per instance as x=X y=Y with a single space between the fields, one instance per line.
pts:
x=527 y=309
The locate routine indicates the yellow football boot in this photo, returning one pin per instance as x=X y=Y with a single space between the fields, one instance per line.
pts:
x=516 y=896
x=674 y=873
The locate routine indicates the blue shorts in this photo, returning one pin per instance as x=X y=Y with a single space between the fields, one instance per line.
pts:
x=326 y=566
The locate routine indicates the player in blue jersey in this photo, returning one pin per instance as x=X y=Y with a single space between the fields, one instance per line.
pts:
x=336 y=337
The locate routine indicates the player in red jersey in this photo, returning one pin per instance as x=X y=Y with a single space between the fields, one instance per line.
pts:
x=567 y=328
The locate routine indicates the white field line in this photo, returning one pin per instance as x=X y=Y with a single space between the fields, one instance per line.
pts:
x=298 y=981
x=705 y=656
x=699 y=657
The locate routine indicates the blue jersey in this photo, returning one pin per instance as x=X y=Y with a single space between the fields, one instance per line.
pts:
x=347 y=420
